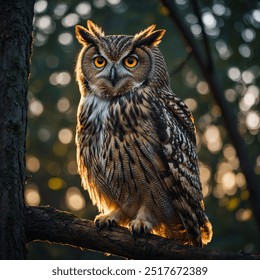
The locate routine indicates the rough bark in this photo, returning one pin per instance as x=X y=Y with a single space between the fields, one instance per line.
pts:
x=205 y=62
x=15 y=49
x=52 y=225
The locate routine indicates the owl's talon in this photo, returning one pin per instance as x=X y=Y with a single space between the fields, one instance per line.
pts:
x=106 y=220
x=97 y=224
x=113 y=223
x=133 y=232
x=139 y=228
x=110 y=223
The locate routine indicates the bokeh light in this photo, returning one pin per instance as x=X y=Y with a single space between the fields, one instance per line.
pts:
x=60 y=9
x=74 y=199
x=35 y=108
x=32 y=195
x=234 y=74
x=209 y=20
x=253 y=120
x=65 y=38
x=56 y=183
x=212 y=138
x=202 y=88
x=191 y=103
x=65 y=135
x=70 y=20
x=44 y=134
x=63 y=104
x=32 y=163
x=243 y=215
x=83 y=9
x=60 y=78
x=40 y=6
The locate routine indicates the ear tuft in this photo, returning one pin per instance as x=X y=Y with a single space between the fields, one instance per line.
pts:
x=149 y=37
x=95 y=29
x=89 y=36
x=145 y=32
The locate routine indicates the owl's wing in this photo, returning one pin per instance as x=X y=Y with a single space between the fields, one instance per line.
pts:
x=180 y=111
x=176 y=131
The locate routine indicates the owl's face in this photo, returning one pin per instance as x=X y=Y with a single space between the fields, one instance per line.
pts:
x=114 y=65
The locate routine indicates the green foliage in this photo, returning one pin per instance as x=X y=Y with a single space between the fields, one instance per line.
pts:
x=53 y=97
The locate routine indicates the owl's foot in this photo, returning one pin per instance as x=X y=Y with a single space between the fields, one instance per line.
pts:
x=108 y=220
x=105 y=223
x=142 y=224
x=139 y=227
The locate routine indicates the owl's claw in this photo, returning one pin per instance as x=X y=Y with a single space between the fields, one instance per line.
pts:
x=105 y=223
x=139 y=228
x=140 y=232
x=110 y=224
x=97 y=224
x=108 y=220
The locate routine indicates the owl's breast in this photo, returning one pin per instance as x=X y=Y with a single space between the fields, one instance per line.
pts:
x=93 y=110
x=92 y=115
x=111 y=142
x=102 y=121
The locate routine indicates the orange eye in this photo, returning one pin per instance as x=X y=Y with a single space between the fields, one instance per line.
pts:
x=99 y=61
x=130 y=61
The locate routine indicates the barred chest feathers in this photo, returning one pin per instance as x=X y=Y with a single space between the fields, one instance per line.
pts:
x=100 y=118
x=106 y=136
x=104 y=125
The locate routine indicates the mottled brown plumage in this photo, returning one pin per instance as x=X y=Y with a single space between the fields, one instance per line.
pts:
x=136 y=147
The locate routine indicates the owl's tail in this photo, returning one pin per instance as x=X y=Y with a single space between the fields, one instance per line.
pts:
x=185 y=234
x=177 y=232
x=206 y=232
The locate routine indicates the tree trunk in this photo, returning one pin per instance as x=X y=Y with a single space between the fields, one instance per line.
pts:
x=15 y=51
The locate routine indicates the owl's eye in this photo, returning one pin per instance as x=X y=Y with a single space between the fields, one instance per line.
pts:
x=130 y=61
x=99 y=61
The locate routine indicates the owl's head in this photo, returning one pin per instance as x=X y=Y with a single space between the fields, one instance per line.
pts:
x=116 y=64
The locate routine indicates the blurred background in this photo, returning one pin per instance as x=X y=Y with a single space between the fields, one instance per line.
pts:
x=233 y=31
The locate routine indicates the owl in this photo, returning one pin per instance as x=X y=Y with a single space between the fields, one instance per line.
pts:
x=136 y=146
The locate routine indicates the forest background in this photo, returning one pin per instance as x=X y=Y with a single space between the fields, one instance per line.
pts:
x=232 y=31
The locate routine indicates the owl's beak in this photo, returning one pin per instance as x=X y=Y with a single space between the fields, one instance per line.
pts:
x=113 y=75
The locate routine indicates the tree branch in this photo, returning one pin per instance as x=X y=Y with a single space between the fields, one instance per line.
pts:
x=227 y=113
x=182 y=63
x=197 y=12
x=49 y=224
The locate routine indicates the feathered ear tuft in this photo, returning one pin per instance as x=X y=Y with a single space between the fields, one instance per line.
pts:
x=149 y=37
x=145 y=32
x=94 y=29
x=89 y=36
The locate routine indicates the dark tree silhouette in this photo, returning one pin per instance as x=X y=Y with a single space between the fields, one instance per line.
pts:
x=15 y=51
